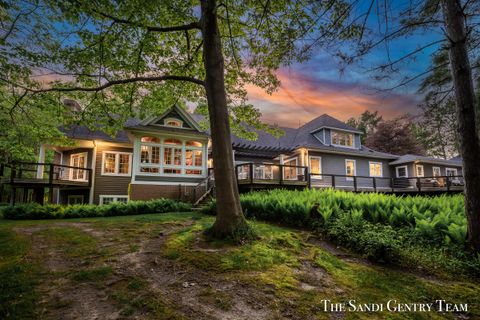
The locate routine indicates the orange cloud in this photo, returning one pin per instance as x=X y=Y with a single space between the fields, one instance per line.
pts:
x=300 y=99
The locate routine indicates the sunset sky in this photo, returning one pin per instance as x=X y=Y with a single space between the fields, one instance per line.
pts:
x=317 y=86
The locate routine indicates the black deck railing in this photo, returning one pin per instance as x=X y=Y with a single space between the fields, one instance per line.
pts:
x=258 y=174
x=45 y=173
x=266 y=173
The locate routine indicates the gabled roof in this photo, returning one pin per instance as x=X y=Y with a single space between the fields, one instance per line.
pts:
x=326 y=121
x=407 y=158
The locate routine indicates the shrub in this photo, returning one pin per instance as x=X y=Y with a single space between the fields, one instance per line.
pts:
x=49 y=211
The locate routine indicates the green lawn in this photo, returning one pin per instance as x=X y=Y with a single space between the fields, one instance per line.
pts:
x=159 y=266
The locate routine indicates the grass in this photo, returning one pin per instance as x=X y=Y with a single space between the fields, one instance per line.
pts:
x=282 y=271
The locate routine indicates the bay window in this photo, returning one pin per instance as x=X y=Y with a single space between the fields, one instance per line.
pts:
x=171 y=156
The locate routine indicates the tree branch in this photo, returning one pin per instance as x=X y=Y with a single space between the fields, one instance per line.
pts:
x=189 y=26
x=111 y=83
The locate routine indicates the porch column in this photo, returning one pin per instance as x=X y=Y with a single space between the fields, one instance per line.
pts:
x=281 y=157
x=41 y=159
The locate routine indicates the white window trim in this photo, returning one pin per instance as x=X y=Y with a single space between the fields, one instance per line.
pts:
x=416 y=170
x=317 y=175
x=117 y=164
x=73 y=196
x=70 y=175
x=354 y=168
x=381 y=168
x=115 y=197
x=439 y=171
x=172 y=119
x=451 y=169
x=161 y=166
x=406 y=171
x=297 y=160
x=340 y=145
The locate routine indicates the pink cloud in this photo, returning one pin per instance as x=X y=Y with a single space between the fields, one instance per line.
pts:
x=301 y=98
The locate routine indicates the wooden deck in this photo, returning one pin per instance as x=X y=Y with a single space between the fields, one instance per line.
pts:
x=252 y=176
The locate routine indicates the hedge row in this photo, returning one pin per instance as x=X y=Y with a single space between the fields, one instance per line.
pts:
x=49 y=211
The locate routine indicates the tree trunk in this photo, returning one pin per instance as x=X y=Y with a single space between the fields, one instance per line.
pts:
x=230 y=219
x=466 y=114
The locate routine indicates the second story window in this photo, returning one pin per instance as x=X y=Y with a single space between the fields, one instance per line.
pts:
x=341 y=138
x=172 y=122
x=116 y=163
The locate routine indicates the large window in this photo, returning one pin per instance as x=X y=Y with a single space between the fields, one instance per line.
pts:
x=350 y=168
x=315 y=165
x=436 y=171
x=171 y=156
x=341 y=138
x=376 y=169
x=116 y=163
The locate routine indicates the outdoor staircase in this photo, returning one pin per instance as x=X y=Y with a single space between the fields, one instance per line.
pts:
x=203 y=192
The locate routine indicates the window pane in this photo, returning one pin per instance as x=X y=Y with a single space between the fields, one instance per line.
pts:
x=198 y=158
x=177 y=158
x=402 y=172
x=350 y=168
x=375 y=169
x=155 y=154
x=149 y=170
x=315 y=165
x=107 y=200
x=109 y=165
x=172 y=171
x=194 y=144
x=122 y=199
x=189 y=158
x=172 y=141
x=193 y=171
x=150 y=139
x=167 y=156
x=145 y=154
x=124 y=163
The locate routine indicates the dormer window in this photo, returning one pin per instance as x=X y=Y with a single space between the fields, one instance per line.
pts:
x=341 y=138
x=173 y=122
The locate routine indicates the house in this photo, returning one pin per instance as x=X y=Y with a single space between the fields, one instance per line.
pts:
x=168 y=156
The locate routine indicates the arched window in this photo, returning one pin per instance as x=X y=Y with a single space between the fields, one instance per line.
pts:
x=172 y=122
x=150 y=139
x=172 y=141
x=193 y=144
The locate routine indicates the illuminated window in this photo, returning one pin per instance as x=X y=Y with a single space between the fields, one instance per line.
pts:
x=194 y=144
x=376 y=169
x=350 y=169
x=150 y=139
x=117 y=163
x=340 y=138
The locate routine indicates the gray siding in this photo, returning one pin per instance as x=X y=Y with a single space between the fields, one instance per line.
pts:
x=335 y=164
x=319 y=135
x=427 y=169
x=328 y=135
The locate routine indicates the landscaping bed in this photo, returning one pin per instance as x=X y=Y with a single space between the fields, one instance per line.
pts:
x=427 y=233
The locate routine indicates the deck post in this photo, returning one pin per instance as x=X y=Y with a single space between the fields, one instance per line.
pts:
x=333 y=181
x=251 y=172
x=374 y=184
x=419 y=184
x=281 y=173
x=448 y=183
x=392 y=185
x=41 y=160
x=13 y=195
x=50 y=174
x=236 y=173
x=355 y=183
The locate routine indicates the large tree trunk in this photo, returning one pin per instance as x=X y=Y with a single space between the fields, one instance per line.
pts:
x=230 y=219
x=466 y=114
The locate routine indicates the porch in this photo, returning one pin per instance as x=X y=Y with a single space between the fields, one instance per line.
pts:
x=42 y=177
x=263 y=175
